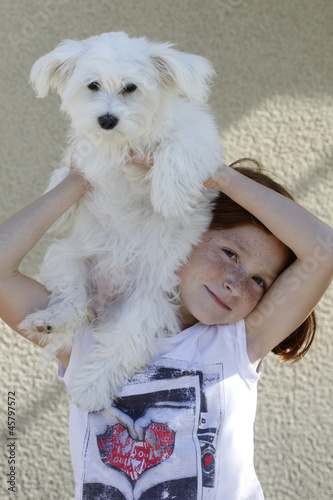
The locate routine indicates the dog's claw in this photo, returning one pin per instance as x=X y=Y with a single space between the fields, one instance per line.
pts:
x=44 y=329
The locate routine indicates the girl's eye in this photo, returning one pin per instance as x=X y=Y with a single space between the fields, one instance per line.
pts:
x=232 y=255
x=259 y=282
x=93 y=86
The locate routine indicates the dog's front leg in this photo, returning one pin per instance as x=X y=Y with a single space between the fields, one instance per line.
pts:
x=177 y=178
x=64 y=276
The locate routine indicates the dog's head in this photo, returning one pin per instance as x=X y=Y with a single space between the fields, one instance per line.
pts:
x=115 y=86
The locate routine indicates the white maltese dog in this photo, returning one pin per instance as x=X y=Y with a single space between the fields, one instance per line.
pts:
x=117 y=270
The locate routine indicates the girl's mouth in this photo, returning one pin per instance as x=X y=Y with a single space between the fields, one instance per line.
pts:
x=217 y=299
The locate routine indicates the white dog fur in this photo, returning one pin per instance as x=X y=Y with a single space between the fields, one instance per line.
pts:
x=117 y=270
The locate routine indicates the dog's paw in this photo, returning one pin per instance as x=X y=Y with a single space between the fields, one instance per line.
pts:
x=174 y=195
x=172 y=202
x=90 y=395
x=95 y=384
x=53 y=319
x=37 y=324
x=90 y=398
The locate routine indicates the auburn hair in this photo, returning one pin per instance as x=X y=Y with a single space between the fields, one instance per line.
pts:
x=227 y=214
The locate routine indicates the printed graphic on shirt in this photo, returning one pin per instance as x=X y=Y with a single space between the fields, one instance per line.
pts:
x=133 y=457
x=160 y=439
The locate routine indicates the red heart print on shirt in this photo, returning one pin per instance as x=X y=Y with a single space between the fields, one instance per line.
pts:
x=117 y=448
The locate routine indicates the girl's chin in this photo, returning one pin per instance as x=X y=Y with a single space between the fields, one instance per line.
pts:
x=208 y=318
x=226 y=319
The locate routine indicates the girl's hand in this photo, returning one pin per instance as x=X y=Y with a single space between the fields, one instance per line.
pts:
x=141 y=160
x=221 y=178
x=211 y=183
x=76 y=173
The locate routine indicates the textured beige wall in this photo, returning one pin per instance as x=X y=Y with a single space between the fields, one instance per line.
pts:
x=273 y=100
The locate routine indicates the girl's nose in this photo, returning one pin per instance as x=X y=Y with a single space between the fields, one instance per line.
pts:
x=235 y=287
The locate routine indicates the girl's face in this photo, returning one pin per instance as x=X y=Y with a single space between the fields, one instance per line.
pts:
x=228 y=273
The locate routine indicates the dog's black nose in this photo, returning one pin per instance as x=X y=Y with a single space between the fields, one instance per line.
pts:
x=108 y=121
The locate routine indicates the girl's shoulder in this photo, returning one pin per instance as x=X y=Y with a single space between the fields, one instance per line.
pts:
x=203 y=345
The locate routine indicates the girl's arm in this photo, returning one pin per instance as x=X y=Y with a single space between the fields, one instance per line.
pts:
x=19 y=294
x=295 y=293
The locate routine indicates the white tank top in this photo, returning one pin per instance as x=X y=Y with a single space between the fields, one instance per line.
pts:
x=182 y=429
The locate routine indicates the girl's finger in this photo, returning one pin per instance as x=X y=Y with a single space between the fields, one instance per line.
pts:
x=210 y=184
x=141 y=160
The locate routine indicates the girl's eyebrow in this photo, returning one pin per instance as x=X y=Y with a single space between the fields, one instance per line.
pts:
x=271 y=275
x=268 y=275
x=239 y=245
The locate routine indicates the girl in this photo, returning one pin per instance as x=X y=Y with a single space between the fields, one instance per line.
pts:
x=183 y=428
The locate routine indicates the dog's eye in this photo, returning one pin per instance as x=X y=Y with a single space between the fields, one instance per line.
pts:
x=129 y=88
x=93 y=86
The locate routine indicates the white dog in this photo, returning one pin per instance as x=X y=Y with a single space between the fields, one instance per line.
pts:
x=133 y=229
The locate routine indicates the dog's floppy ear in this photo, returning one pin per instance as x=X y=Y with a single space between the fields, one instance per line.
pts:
x=190 y=75
x=52 y=70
